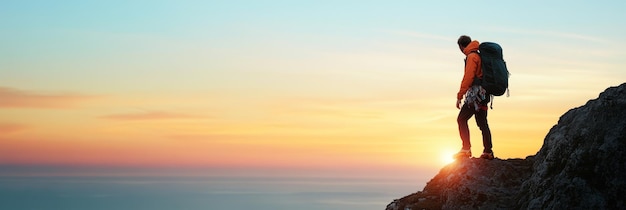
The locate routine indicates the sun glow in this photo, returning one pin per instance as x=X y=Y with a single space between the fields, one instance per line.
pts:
x=446 y=157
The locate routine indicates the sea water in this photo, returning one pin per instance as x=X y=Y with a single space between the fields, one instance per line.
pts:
x=201 y=193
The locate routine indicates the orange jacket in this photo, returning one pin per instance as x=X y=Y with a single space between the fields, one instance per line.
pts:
x=472 y=68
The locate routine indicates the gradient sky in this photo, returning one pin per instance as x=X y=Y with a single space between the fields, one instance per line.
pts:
x=298 y=85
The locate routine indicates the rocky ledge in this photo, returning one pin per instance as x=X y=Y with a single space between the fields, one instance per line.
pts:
x=581 y=165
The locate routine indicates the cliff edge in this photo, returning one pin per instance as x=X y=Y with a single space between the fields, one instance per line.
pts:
x=581 y=165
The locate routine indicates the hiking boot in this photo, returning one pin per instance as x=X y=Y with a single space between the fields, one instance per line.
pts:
x=464 y=153
x=487 y=155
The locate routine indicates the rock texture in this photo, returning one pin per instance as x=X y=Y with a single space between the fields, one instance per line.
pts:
x=581 y=165
x=471 y=184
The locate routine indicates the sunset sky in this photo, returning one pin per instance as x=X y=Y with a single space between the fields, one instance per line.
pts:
x=307 y=86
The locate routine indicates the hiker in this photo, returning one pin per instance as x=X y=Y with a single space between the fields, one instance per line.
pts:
x=476 y=99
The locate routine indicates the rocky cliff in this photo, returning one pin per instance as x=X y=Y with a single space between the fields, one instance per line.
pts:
x=581 y=165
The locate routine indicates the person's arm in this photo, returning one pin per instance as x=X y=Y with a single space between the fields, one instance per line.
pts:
x=471 y=65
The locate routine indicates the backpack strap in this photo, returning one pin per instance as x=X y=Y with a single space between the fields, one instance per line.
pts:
x=492 y=97
x=477 y=80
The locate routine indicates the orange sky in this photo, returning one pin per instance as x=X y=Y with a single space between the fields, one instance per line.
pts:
x=319 y=133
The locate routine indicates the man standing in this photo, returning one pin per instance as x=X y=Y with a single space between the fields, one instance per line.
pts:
x=476 y=100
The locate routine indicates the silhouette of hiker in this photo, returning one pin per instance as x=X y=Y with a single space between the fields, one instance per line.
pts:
x=476 y=100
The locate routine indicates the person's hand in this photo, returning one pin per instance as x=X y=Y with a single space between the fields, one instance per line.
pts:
x=458 y=103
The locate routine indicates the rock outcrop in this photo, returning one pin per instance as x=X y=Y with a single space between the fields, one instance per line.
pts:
x=581 y=165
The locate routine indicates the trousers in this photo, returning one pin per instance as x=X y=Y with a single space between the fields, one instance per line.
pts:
x=467 y=111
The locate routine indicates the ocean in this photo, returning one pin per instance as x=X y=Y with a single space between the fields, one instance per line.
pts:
x=201 y=193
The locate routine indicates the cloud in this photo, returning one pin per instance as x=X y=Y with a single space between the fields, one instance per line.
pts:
x=151 y=115
x=554 y=34
x=14 y=98
x=424 y=35
x=10 y=127
x=232 y=138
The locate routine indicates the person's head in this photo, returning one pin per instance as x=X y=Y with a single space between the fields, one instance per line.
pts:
x=463 y=41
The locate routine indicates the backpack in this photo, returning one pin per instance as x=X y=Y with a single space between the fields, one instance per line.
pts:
x=495 y=74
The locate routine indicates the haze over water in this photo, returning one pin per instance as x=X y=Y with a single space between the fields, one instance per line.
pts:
x=156 y=193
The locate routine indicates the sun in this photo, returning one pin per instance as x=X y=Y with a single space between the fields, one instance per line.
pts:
x=446 y=157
